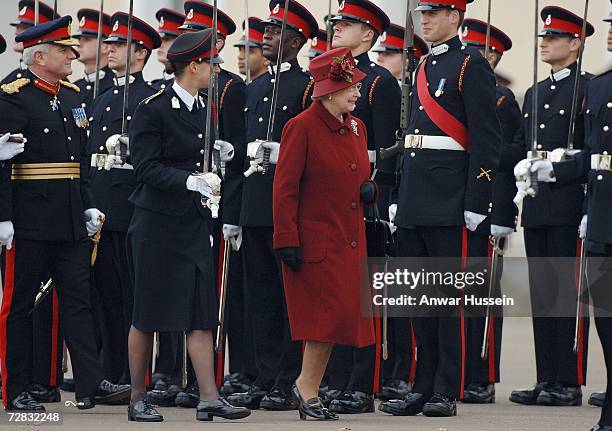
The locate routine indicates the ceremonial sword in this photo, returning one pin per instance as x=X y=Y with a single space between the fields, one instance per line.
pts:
x=247 y=42
x=96 y=88
x=496 y=255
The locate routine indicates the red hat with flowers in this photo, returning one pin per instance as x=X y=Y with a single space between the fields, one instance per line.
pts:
x=334 y=71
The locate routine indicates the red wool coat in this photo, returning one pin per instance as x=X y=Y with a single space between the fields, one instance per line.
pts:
x=316 y=207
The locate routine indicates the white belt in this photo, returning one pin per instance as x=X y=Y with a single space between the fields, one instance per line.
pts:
x=99 y=161
x=372 y=156
x=541 y=155
x=432 y=143
x=601 y=162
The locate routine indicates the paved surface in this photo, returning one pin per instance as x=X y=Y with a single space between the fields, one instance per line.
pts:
x=517 y=371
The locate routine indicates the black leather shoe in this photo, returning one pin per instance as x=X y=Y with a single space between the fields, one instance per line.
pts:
x=67 y=384
x=45 y=393
x=249 y=399
x=353 y=402
x=24 y=403
x=189 y=397
x=440 y=405
x=560 y=395
x=411 y=405
x=143 y=411
x=313 y=407
x=479 y=393
x=278 y=400
x=597 y=399
x=164 y=398
x=106 y=393
x=235 y=383
x=602 y=428
x=394 y=390
x=160 y=377
x=528 y=396
x=220 y=407
x=329 y=395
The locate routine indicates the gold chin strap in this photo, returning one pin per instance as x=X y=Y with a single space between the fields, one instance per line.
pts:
x=96 y=239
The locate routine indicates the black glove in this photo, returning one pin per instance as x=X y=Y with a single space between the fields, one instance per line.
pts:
x=368 y=192
x=291 y=256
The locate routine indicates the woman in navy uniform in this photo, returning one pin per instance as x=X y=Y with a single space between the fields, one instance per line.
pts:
x=169 y=242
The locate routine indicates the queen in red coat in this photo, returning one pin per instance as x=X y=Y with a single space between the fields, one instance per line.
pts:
x=320 y=187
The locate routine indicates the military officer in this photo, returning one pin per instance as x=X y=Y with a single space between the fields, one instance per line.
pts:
x=318 y=45
x=258 y=63
x=87 y=34
x=112 y=182
x=47 y=203
x=276 y=356
x=437 y=205
x=390 y=46
x=482 y=374
x=168 y=28
x=593 y=166
x=551 y=218
x=357 y=26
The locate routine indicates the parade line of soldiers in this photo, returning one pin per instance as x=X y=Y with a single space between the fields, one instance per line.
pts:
x=129 y=208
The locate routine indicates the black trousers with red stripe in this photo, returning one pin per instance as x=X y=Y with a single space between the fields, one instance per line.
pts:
x=550 y=281
x=48 y=343
x=28 y=263
x=440 y=340
x=486 y=370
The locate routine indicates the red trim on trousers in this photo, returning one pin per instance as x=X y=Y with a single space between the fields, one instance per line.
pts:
x=464 y=256
x=580 y=341
x=414 y=352
x=7 y=299
x=220 y=356
x=377 y=362
x=54 y=339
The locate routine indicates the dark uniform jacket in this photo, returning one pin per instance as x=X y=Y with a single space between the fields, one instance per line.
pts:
x=294 y=96
x=598 y=140
x=15 y=74
x=554 y=204
x=44 y=209
x=87 y=87
x=162 y=83
x=113 y=188
x=437 y=186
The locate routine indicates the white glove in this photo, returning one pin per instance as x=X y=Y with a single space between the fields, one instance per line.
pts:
x=6 y=234
x=523 y=180
x=93 y=218
x=233 y=234
x=499 y=232
x=125 y=141
x=392 y=212
x=544 y=169
x=274 y=148
x=472 y=220
x=225 y=149
x=8 y=150
x=582 y=229
x=198 y=184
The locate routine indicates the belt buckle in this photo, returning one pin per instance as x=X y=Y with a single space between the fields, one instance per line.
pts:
x=605 y=162
x=542 y=154
x=414 y=141
x=101 y=160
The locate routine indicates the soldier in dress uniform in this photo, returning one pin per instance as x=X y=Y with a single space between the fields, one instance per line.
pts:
x=168 y=28
x=318 y=45
x=87 y=34
x=437 y=204
x=593 y=165
x=259 y=64
x=25 y=20
x=250 y=207
x=354 y=373
x=390 y=46
x=112 y=182
x=551 y=218
x=482 y=374
x=46 y=199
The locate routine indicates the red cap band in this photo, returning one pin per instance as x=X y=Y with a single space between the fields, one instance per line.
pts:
x=457 y=4
x=30 y=15
x=318 y=45
x=361 y=12
x=292 y=18
x=206 y=21
x=122 y=30
x=481 y=39
x=60 y=33
x=91 y=25
x=559 y=24
x=169 y=26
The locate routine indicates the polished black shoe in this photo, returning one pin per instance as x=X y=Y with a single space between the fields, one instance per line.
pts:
x=528 y=396
x=189 y=397
x=249 y=399
x=278 y=400
x=479 y=393
x=560 y=395
x=220 y=407
x=45 y=393
x=235 y=383
x=394 y=390
x=602 y=428
x=164 y=398
x=597 y=399
x=440 y=405
x=106 y=393
x=411 y=405
x=24 y=402
x=313 y=407
x=158 y=378
x=143 y=411
x=329 y=395
x=353 y=402
x=67 y=384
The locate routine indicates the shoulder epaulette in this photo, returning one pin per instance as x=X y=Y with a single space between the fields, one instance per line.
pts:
x=306 y=93
x=224 y=92
x=153 y=96
x=70 y=85
x=463 y=67
x=15 y=86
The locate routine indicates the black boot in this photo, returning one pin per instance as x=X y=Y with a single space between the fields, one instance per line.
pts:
x=24 y=403
x=220 y=407
x=249 y=399
x=394 y=390
x=106 y=393
x=528 y=396
x=560 y=395
x=189 y=397
x=278 y=400
x=479 y=393
x=312 y=408
x=597 y=399
x=411 y=405
x=45 y=393
x=142 y=411
x=440 y=405
x=353 y=402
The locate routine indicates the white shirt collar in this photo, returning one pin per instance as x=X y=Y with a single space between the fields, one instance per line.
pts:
x=22 y=65
x=91 y=77
x=284 y=67
x=560 y=75
x=184 y=95
x=440 y=49
x=120 y=82
x=168 y=76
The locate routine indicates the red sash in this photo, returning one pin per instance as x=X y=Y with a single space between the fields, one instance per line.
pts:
x=440 y=117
